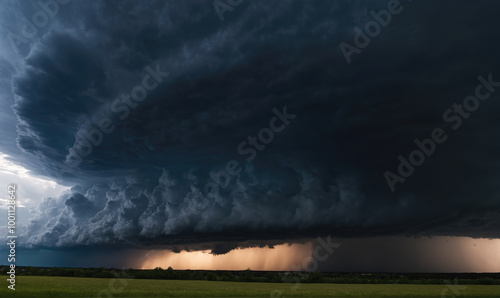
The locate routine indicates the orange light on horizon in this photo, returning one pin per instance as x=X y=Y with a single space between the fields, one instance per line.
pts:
x=396 y=254
x=279 y=258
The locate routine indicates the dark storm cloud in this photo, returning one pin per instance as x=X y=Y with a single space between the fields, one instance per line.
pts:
x=323 y=174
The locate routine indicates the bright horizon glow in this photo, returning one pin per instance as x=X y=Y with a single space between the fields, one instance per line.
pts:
x=482 y=255
x=280 y=258
x=443 y=254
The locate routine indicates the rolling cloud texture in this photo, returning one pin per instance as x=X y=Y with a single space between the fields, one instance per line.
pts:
x=321 y=175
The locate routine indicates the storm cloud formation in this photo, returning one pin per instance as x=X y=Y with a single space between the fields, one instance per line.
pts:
x=323 y=174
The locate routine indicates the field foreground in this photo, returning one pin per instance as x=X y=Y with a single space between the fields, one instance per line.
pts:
x=45 y=286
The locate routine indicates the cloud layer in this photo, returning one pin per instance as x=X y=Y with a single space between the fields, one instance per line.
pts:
x=323 y=174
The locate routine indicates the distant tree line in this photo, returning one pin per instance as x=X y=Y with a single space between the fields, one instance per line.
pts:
x=264 y=276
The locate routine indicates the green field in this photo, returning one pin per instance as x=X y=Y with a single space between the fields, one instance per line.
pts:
x=43 y=286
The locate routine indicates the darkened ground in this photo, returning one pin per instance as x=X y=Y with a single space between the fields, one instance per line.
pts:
x=264 y=276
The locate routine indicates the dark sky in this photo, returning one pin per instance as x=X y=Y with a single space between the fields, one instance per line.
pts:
x=153 y=179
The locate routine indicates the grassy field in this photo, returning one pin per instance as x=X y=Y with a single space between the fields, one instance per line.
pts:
x=43 y=286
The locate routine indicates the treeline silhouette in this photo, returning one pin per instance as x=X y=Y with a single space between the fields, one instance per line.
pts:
x=265 y=276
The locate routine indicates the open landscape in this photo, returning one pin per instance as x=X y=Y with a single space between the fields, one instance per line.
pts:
x=51 y=287
x=249 y=148
x=158 y=282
